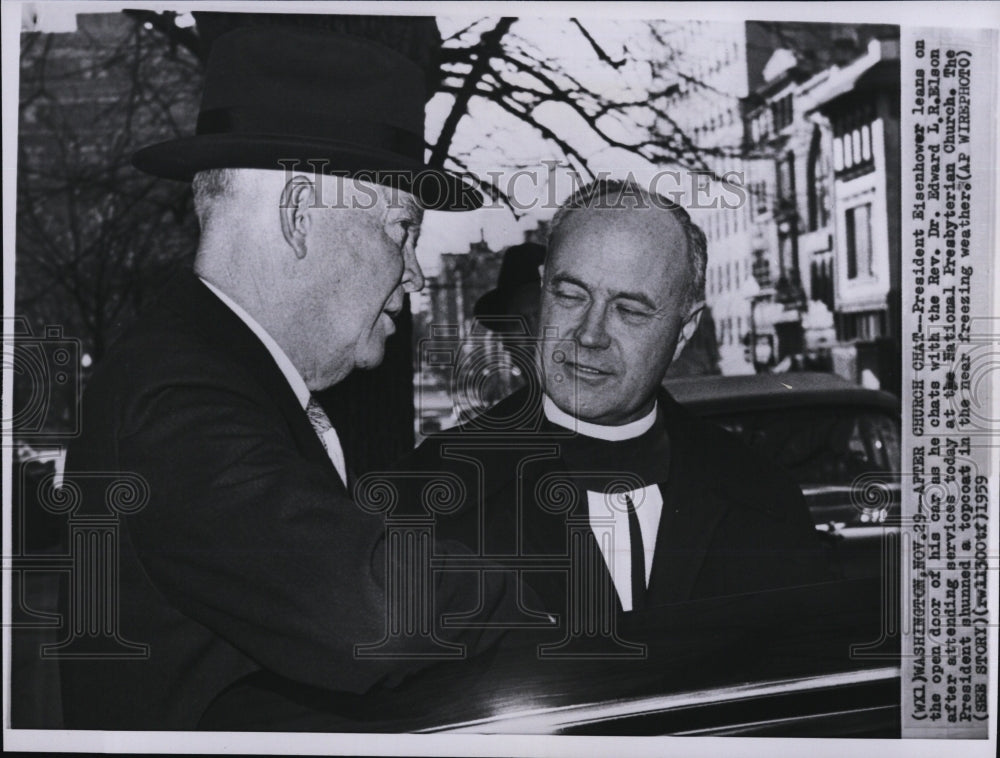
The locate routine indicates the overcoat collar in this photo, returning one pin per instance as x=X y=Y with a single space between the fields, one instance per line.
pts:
x=192 y=301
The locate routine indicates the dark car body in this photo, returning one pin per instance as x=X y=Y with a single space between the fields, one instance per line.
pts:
x=839 y=441
x=808 y=661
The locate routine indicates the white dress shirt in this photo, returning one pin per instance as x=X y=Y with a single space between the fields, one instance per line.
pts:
x=330 y=439
x=607 y=513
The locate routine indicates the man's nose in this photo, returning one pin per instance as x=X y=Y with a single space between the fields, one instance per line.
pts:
x=591 y=332
x=413 y=275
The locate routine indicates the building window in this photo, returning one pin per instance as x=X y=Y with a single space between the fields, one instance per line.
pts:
x=781 y=112
x=821 y=279
x=859 y=241
x=853 y=146
x=758 y=196
x=864 y=326
x=786 y=179
x=761 y=268
x=818 y=179
x=762 y=123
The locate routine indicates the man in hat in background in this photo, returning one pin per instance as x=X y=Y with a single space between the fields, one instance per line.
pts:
x=510 y=311
x=250 y=574
x=511 y=308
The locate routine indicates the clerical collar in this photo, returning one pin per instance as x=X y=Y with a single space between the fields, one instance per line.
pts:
x=610 y=433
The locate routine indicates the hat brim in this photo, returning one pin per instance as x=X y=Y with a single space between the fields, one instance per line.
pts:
x=491 y=311
x=182 y=158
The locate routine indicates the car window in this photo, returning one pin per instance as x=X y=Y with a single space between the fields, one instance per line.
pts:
x=821 y=446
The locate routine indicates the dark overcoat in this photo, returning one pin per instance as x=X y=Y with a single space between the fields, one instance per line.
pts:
x=249 y=557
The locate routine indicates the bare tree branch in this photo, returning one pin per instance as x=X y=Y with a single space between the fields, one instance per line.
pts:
x=489 y=46
x=87 y=221
x=596 y=47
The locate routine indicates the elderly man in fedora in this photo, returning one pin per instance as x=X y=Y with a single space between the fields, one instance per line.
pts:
x=250 y=574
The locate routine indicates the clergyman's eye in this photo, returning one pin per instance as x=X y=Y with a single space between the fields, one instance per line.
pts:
x=627 y=311
x=632 y=314
x=567 y=295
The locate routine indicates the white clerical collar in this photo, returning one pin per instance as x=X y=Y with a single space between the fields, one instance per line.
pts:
x=292 y=375
x=610 y=433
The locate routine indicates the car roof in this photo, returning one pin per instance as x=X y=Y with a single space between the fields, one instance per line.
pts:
x=719 y=394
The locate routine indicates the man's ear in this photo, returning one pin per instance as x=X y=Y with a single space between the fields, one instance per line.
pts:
x=296 y=199
x=688 y=329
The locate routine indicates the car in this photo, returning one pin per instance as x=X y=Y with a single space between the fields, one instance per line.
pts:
x=798 y=662
x=839 y=441
x=806 y=661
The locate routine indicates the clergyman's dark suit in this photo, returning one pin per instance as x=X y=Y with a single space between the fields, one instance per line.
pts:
x=249 y=556
x=731 y=521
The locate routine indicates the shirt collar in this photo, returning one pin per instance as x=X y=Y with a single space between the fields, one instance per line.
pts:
x=610 y=433
x=292 y=375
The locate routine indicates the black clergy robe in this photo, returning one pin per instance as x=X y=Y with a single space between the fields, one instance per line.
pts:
x=732 y=522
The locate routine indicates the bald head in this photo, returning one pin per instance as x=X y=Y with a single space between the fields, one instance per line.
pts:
x=623 y=196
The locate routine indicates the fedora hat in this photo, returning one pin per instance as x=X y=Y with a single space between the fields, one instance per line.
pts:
x=519 y=268
x=314 y=101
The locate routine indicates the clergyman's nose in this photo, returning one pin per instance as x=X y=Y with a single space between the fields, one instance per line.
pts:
x=591 y=332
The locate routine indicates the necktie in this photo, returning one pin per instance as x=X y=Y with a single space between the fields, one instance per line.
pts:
x=325 y=431
x=637 y=555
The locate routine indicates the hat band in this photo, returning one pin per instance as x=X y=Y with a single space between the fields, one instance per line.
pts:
x=254 y=120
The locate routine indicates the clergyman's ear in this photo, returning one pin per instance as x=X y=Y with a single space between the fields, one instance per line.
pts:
x=296 y=199
x=688 y=329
